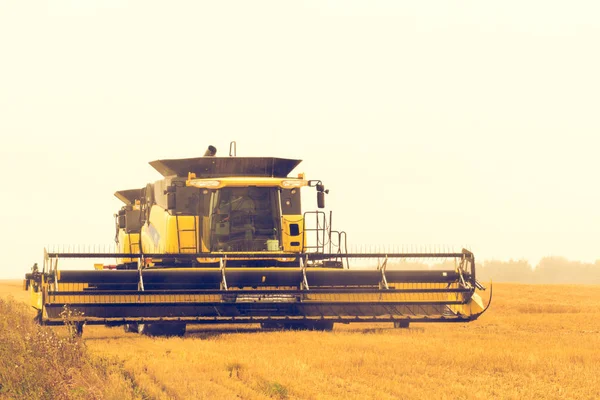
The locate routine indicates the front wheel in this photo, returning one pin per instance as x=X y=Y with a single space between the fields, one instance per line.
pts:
x=161 y=329
x=401 y=324
x=322 y=326
x=130 y=328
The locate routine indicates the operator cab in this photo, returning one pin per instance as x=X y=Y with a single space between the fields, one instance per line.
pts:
x=245 y=219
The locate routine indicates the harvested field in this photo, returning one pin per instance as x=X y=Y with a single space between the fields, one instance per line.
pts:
x=536 y=341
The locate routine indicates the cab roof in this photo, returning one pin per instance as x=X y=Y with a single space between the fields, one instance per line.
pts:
x=129 y=196
x=219 y=167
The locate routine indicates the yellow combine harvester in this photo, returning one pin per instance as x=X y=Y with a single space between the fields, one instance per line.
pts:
x=225 y=240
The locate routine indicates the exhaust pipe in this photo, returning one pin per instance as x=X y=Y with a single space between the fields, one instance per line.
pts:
x=210 y=152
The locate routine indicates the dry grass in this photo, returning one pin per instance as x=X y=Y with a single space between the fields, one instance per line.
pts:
x=41 y=363
x=535 y=342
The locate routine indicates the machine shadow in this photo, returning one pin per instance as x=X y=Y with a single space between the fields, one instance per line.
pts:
x=204 y=332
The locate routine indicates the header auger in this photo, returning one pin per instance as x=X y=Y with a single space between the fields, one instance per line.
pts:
x=225 y=240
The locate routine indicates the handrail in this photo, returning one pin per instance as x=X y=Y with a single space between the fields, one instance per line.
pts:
x=259 y=255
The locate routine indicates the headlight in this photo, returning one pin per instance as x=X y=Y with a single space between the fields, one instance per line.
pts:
x=203 y=184
x=287 y=184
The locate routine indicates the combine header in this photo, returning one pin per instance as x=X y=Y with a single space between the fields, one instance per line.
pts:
x=225 y=240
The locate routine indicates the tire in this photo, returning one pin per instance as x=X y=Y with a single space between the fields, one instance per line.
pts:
x=323 y=326
x=161 y=329
x=130 y=328
x=141 y=329
x=177 y=330
x=402 y=324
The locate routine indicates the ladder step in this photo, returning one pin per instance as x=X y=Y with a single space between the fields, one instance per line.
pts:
x=188 y=233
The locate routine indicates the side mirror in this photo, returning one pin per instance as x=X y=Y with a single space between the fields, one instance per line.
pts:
x=321 y=199
x=171 y=201
x=122 y=222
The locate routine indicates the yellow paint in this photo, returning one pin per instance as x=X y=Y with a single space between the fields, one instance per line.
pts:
x=474 y=306
x=182 y=233
x=128 y=243
x=286 y=239
x=170 y=233
x=35 y=294
x=205 y=234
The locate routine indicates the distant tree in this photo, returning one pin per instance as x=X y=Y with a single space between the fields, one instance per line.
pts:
x=505 y=271
x=561 y=270
x=549 y=270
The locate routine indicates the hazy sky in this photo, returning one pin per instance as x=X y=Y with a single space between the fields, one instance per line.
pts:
x=432 y=123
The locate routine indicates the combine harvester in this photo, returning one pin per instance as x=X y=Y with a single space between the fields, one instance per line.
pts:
x=225 y=240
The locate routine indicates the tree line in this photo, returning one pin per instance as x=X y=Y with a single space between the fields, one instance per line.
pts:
x=549 y=270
